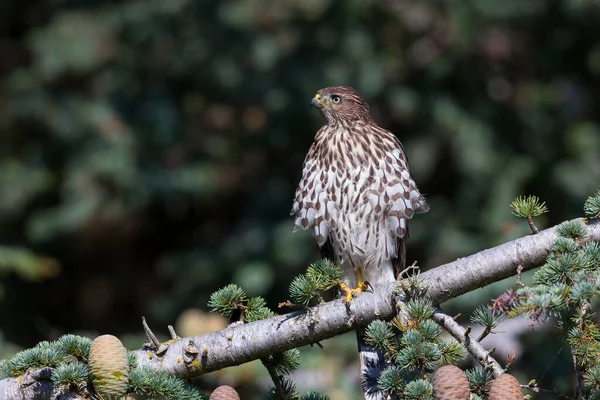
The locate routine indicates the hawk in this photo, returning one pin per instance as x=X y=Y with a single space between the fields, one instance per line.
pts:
x=356 y=195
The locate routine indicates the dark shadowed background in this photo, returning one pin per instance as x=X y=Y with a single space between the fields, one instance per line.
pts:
x=149 y=151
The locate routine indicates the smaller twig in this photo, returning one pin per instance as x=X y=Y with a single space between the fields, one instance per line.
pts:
x=534 y=228
x=286 y=303
x=159 y=348
x=412 y=267
x=172 y=333
x=484 y=334
x=519 y=276
x=277 y=381
x=473 y=346
x=578 y=376
x=536 y=389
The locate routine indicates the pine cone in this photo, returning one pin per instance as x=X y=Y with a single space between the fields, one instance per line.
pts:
x=109 y=367
x=505 y=387
x=224 y=393
x=451 y=383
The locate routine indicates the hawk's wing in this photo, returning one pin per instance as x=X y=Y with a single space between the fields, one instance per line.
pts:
x=312 y=209
x=404 y=198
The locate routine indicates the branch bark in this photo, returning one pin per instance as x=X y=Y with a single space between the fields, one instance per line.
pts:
x=243 y=343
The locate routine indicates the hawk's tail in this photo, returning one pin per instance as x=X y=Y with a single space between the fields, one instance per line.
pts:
x=372 y=363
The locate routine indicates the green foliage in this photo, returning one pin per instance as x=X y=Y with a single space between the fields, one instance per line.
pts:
x=592 y=377
x=314 y=396
x=227 y=300
x=132 y=358
x=572 y=229
x=77 y=346
x=303 y=291
x=284 y=363
x=592 y=250
x=564 y=245
x=44 y=354
x=487 y=318
x=528 y=206
x=256 y=309
x=419 y=390
x=452 y=352
x=287 y=387
x=232 y=298
x=325 y=273
x=413 y=349
x=320 y=276
x=391 y=379
x=378 y=334
x=591 y=207
x=566 y=287
x=152 y=384
x=419 y=309
x=70 y=376
x=68 y=356
x=479 y=380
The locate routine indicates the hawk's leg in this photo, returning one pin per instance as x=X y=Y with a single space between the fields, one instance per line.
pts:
x=361 y=286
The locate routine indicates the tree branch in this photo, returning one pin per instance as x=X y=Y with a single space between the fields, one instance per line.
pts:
x=243 y=343
x=472 y=345
x=34 y=384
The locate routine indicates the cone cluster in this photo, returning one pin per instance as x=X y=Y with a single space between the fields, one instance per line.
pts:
x=451 y=383
x=109 y=367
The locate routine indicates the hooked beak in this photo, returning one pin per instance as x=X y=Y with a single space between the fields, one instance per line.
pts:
x=318 y=101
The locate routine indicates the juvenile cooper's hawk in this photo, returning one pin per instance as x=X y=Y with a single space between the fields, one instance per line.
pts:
x=357 y=195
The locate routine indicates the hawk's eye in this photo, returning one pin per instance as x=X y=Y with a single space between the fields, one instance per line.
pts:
x=336 y=99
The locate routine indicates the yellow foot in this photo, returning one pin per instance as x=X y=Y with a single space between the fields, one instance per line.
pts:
x=350 y=293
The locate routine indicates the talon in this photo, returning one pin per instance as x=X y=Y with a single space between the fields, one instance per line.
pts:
x=361 y=286
x=350 y=293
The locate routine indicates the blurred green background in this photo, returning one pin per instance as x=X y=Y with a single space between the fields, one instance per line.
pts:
x=149 y=151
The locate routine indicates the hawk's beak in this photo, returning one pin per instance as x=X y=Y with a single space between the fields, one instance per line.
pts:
x=318 y=101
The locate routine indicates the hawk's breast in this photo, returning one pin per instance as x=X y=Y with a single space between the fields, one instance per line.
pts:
x=356 y=191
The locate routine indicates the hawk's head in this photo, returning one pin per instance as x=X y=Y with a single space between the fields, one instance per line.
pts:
x=341 y=104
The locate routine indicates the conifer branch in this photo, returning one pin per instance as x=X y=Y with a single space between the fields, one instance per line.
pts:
x=239 y=344
x=244 y=343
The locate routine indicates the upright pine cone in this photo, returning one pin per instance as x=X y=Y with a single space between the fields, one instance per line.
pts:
x=109 y=367
x=451 y=383
x=505 y=387
x=224 y=393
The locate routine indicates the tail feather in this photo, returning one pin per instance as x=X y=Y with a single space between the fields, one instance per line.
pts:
x=372 y=362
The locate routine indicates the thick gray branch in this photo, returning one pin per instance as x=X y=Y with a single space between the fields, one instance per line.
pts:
x=35 y=384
